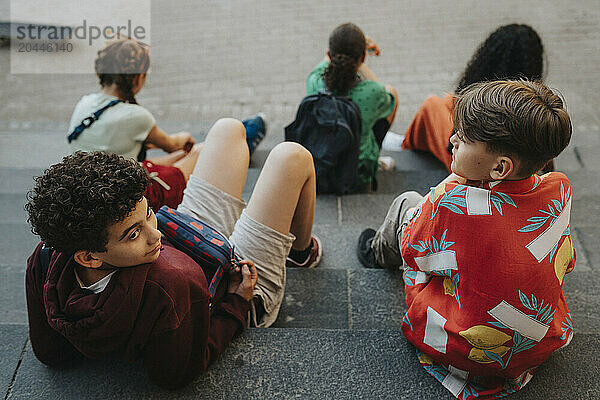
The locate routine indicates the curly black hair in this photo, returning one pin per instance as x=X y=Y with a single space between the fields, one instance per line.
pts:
x=119 y=62
x=75 y=201
x=512 y=51
x=347 y=44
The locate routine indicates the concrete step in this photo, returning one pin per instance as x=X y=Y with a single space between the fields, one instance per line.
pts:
x=338 y=238
x=337 y=335
x=12 y=347
x=338 y=298
x=49 y=144
x=289 y=363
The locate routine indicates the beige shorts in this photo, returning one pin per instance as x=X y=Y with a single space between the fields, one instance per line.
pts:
x=266 y=247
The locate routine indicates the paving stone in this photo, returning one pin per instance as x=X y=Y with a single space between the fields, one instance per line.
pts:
x=585 y=135
x=11 y=346
x=261 y=364
x=584 y=182
x=407 y=160
x=582 y=263
x=238 y=41
x=314 y=298
x=339 y=245
x=377 y=299
x=318 y=298
x=16 y=244
x=583 y=299
x=251 y=179
x=18 y=268
x=396 y=182
x=326 y=210
x=13 y=208
x=196 y=127
x=589 y=237
x=275 y=133
x=367 y=210
x=589 y=156
x=585 y=211
x=13 y=307
x=569 y=373
x=259 y=156
x=304 y=363
x=17 y=180
x=48 y=150
x=83 y=380
x=568 y=160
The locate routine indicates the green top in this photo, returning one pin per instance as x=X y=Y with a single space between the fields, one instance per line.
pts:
x=374 y=103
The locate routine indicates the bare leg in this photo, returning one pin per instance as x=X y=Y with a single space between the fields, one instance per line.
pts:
x=284 y=196
x=180 y=159
x=224 y=159
x=187 y=163
x=394 y=93
x=168 y=159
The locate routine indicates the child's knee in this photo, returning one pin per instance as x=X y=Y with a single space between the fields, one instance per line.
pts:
x=292 y=155
x=228 y=129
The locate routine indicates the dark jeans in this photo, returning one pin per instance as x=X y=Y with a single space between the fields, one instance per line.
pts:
x=380 y=128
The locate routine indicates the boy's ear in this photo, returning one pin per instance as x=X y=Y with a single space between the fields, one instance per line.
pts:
x=137 y=80
x=86 y=259
x=504 y=168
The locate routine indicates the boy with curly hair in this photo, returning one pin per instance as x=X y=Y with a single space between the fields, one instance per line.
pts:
x=115 y=287
x=485 y=253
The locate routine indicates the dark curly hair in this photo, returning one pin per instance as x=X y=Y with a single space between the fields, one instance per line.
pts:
x=119 y=62
x=347 y=46
x=512 y=51
x=514 y=117
x=75 y=201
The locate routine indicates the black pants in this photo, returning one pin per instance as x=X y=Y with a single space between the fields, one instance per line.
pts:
x=380 y=128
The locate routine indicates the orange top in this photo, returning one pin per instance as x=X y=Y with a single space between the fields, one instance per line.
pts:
x=431 y=128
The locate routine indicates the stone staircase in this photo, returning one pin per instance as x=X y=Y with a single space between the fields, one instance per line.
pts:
x=337 y=335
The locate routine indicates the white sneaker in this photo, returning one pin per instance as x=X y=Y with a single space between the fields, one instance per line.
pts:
x=392 y=141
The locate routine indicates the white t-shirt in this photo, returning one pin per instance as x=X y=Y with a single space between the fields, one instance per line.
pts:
x=121 y=129
x=95 y=287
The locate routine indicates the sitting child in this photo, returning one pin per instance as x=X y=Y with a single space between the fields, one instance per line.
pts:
x=115 y=287
x=512 y=51
x=345 y=73
x=126 y=128
x=485 y=253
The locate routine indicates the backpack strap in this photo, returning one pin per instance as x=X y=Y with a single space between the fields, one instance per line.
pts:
x=87 y=122
x=205 y=245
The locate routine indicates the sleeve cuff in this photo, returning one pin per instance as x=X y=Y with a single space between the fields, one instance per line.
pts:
x=236 y=306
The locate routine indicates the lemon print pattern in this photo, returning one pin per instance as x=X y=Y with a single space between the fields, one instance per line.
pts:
x=425 y=359
x=563 y=258
x=437 y=192
x=448 y=287
x=484 y=338
x=478 y=355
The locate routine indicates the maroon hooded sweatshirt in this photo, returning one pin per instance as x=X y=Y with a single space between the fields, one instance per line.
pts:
x=158 y=312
